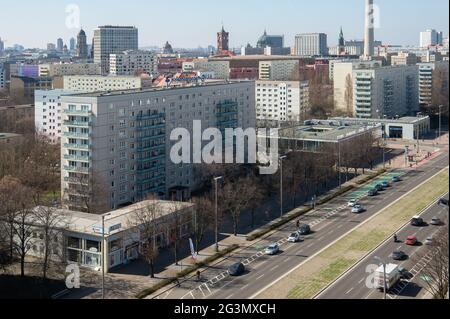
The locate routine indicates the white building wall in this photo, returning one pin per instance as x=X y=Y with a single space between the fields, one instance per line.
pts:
x=129 y=62
x=90 y=83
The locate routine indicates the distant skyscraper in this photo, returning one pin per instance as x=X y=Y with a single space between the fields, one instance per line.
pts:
x=311 y=44
x=60 y=44
x=369 y=34
x=82 y=49
x=72 y=44
x=430 y=38
x=113 y=40
x=222 y=41
x=51 y=47
x=2 y=45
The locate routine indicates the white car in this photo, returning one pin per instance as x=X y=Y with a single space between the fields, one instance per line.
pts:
x=357 y=209
x=294 y=237
x=352 y=203
x=429 y=241
x=272 y=249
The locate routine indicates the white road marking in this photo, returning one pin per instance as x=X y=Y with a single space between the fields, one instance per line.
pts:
x=229 y=296
x=260 y=277
x=244 y=287
x=361 y=280
x=349 y=291
x=275 y=267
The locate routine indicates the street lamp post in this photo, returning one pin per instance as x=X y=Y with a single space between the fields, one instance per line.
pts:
x=281 y=185
x=103 y=254
x=440 y=123
x=384 y=274
x=339 y=162
x=406 y=155
x=216 y=179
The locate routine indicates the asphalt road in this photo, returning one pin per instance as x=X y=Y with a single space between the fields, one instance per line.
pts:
x=329 y=222
x=353 y=284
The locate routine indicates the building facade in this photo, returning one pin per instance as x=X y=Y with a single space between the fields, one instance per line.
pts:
x=93 y=83
x=123 y=138
x=82 y=48
x=133 y=62
x=62 y=69
x=426 y=80
x=311 y=44
x=281 y=100
x=113 y=40
x=277 y=70
x=223 y=39
x=430 y=37
x=404 y=58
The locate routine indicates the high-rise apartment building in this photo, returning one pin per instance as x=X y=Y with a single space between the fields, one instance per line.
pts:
x=281 y=100
x=113 y=40
x=122 y=139
x=133 y=62
x=311 y=44
x=277 y=70
x=62 y=69
x=404 y=58
x=427 y=79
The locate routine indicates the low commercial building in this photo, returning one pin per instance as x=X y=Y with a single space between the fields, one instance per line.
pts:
x=83 y=239
x=407 y=128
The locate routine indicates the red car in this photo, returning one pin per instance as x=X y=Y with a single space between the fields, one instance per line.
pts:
x=411 y=240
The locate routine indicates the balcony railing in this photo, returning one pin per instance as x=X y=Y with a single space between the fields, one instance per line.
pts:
x=76 y=169
x=77 y=112
x=78 y=123
x=76 y=146
x=79 y=135
x=77 y=158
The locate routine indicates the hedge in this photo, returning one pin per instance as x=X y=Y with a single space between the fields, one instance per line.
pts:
x=148 y=291
x=371 y=176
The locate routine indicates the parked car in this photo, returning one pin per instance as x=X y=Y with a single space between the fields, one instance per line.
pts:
x=443 y=202
x=429 y=241
x=399 y=255
x=272 y=249
x=236 y=269
x=417 y=221
x=379 y=187
x=435 y=221
x=352 y=202
x=304 y=229
x=294 y=237
x=396 y=179
x=372 y=192
x=357 y=209
x=411 y=240
x=385 y=184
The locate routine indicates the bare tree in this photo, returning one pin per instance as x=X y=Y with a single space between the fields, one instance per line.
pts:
x=436 y=271
x=204 y=218
x=148 y=220
x=348 y=96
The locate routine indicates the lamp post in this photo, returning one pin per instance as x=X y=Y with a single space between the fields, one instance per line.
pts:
x=216 y=179
x=440 y=118
x=281 y=185
x=384 y=273
x=339 y=162
x=103 y=254
x=406 y=155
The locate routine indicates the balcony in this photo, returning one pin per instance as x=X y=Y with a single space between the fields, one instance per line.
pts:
x=77 y=135
x=77 y=146
x=69 y=168
x=77 y=112
x=78 y=123
x=77 y=158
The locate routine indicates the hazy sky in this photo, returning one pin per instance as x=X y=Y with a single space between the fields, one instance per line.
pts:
x=195 y=22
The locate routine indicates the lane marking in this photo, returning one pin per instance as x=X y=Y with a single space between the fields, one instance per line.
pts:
x=350 y=290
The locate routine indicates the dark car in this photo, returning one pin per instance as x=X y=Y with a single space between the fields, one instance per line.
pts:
x=385 y=184
x=396 y=179
x=304 y=229
x=443 y=202
x=416 y=221
x=398 y=255
x=379 y=187
x=372 y=192
x=236 y=269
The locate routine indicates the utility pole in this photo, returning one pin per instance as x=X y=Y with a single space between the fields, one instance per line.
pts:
x=103 y=254
x=440 y=118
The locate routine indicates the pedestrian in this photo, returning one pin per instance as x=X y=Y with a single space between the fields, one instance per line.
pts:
x=198 y=275
x=395 y=238
x=298 y=223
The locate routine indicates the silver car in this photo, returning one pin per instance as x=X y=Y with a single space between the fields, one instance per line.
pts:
x=272 y=249
x=294 y=237
x=357 y=209
x=429 y=241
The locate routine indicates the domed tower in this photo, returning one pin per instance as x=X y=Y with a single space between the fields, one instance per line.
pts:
x=167 y=48
x=82 y=48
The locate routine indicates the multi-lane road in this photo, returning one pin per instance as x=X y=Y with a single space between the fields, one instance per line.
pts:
x=356 y=283
x=329 y=222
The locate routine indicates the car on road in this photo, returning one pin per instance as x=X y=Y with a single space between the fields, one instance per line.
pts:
x=403 y=273
x=435 y=221
x=294 y=238
x=352 y=202
x=372 y=192
x=411 y=240
x=272 y=249
x=443 y=202
x=385 y=184
x=236 y=269
x=429 y=241
x=357 y=209
x=396 y=179
x=379 y=187
x=417 y=221
x=399 y=255
x=304 y=229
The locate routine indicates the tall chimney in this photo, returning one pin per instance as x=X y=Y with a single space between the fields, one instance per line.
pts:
x=369 y=32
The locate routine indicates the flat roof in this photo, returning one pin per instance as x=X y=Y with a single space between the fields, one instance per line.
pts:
x=323 y=131
x=156 y=89
x=258 y=57
x=401 y=120
x=115 y=221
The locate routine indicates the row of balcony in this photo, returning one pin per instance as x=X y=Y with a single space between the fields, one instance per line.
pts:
x=77 y=158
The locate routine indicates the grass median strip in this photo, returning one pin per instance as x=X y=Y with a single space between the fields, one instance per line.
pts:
x=318 y=272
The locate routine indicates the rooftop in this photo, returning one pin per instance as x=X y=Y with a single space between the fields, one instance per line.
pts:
x=401 y=120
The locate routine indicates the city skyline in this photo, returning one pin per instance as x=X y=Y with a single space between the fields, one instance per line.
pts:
x=243 y=28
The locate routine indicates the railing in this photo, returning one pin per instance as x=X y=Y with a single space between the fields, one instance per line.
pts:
x=80 y=135
x=77 y=146
x=77 y=123
x=77 y=158
x=76 y=169
x=77 y=112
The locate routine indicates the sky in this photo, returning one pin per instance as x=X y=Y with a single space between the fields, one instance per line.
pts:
x=193 y=23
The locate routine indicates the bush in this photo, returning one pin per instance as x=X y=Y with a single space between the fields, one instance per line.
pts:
x=146 y=292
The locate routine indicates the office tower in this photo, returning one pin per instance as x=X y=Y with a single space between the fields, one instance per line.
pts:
x=72 y=44
x=369 y=34
x=60 y=45
x=133 y=62
x=311 y=44
x=122 y=138
x=281 y=100
x=222 y=41
x=113 y=40
x=82 y=49
x=430 y=37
